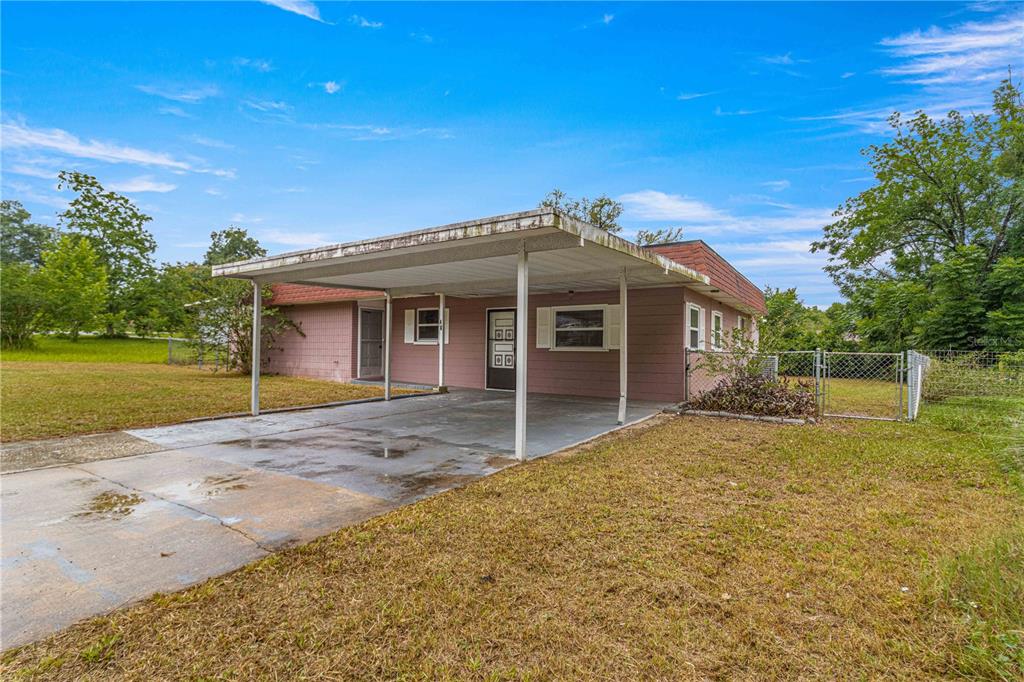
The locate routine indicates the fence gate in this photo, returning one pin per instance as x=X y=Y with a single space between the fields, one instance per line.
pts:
x=862 y=385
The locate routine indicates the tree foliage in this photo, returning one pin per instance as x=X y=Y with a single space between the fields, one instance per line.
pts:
x=663 y=236
x=21 y=302
x=115 y=228
x=921 y=254
x=21 y=240
x=74 y=285
x=601 y=211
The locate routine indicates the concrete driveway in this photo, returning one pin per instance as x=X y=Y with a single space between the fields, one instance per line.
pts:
x=82 y=539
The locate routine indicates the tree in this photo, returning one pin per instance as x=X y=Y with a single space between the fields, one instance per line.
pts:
x=663 y=236
x=21 y=240
x=916 y=252
x=602 y=211
x=74 y=284
x=115 y=228
x=21 y=302
x=232 y=244
x=788 y=324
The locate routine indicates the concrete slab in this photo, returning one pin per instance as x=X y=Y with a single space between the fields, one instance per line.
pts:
x=82 y=539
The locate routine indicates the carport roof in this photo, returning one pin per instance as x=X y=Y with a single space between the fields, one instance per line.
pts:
x=474 y=258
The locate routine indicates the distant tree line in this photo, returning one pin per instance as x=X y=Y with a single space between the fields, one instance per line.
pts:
x=94 y=272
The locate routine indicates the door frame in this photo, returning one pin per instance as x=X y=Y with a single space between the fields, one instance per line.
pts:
x=487 y=344
x=359 y=335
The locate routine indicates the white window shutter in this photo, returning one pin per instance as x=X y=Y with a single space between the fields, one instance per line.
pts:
x=543 y=327
x=613 y=326
x=447 y=322
x=410 y=326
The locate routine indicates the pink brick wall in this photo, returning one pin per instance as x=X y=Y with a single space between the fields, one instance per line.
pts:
x=656 y=339
x=328 y=349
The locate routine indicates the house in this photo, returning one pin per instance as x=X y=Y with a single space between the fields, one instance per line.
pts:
x=579 y=297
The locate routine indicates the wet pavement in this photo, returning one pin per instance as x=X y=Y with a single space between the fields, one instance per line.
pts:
x=84 y=538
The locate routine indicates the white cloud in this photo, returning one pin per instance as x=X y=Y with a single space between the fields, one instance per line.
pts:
x=17 y=135
x=967 y=52
x=738 y=112
x=776 y=185
x=782 y=59
x=331 y=87
x=261 y=65
x=143 y=183
x=699 y=217
x=293 y=238
x=422 y=37
x=208 y=142
x=31 y=171
x=20 y=136
x=363 y=22
x=687 y=96
x=26 y=192
x=607 y=19
x=267 y=105
x=243 y=218
x=848 y=74
x=175 y=111
x=303 y=8
x=214 y=192
x=185 y=95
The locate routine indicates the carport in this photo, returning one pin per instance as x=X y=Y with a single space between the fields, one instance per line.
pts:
x=541 y=250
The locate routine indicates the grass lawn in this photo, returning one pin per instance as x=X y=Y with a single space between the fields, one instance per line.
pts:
x=686 y=548
x=60 y=388
x=90 y=349
x=864 y=397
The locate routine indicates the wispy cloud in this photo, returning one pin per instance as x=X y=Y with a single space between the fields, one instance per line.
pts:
x=969 y=52
x=848 y=74
x=361 y=132
x=267 y=105
x=214 y=192
x=293 y=238
x=421 y=37
x=243 y=218
x=303 y=8
x=699 y=217
x=143 y=183
x=180 y=94
x=738 y=112
x=208 y=142
x=780 y=59
x=363 y=22
x=261 y=65
x=332 y=87
x=607 y=19
x=175 y=111
x=687 y=96
x=17 y=135
x=776 y=185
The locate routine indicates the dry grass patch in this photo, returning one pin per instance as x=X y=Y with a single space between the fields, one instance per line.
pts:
x=46 y=400
x=687 y=549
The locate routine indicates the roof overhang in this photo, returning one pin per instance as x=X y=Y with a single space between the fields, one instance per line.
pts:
x=475 y=258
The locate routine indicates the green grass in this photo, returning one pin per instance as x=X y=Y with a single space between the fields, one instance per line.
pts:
x=687 y=548
x=90 y=349
x=62 y=388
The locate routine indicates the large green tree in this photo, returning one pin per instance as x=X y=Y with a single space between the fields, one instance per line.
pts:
x=946 y=208
x=115 y=228
x=74 y=285
x=21 y=240
x=21 y=302
x=601 y=211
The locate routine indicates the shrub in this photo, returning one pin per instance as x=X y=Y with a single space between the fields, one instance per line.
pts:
x=747 y=393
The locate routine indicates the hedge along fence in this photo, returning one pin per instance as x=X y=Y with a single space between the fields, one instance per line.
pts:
x=951 y=373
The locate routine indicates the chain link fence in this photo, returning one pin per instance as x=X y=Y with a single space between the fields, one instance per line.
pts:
x=197 y=353
x=888 y=386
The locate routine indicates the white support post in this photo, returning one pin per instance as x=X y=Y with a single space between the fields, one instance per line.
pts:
x=623 y=366
x=441 y=331
x=522 y=313
x=387 y=345
x=257 y=338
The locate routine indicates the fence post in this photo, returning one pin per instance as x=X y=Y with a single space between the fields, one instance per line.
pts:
x=817 y=382
x=170 y=350
x=686 y=374
x=900 y=369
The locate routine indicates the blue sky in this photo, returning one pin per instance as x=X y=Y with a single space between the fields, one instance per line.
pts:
x=311 y=123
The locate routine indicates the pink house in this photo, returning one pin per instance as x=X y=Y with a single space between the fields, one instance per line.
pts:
x=534 y=290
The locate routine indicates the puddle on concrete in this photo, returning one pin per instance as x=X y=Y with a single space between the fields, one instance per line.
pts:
x=346 y=445
x=110 y=505
x=223 y=484
x=416 y=485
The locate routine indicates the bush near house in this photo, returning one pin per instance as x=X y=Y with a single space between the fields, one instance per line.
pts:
x=759 y=395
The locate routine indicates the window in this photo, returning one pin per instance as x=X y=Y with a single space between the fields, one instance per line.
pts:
x=428 y=323
x=579 y=328
x=741 y=324
x=716 y=330
x=694 y=327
